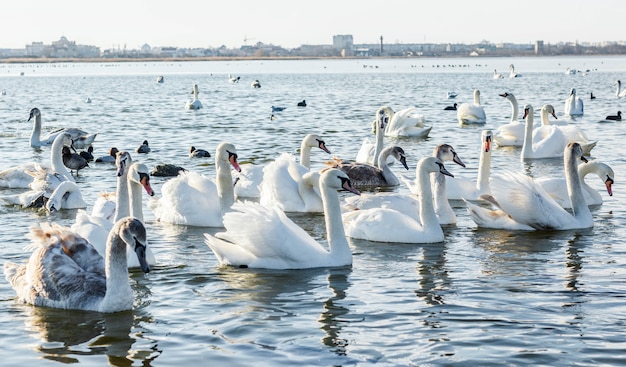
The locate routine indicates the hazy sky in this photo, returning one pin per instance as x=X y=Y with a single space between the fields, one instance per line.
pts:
x=212 y=23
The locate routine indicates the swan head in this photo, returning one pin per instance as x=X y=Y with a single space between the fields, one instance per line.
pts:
x=528 y=111
x=617 y=82
x=398 y=153
x=227 y=152
x=572 y=92
x=336 y=179
x=34 y=112
x=133 y=233
x=382 y=118
x=122 y=162
x=548 y=108
x=445 y=152
x=576 y=150
x=487 y=137
x=313 y=140
x=508 y=96
x=139 y=173
x=432 y=165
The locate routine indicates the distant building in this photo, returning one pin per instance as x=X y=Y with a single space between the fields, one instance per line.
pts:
x=539 y=48
x=344 y=44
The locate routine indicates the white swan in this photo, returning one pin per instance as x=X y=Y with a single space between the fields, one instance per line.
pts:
x=389 y=225
x=619 y=93
x=471 y=113
x=80 y=138
x=512 y=73
x=66 y=196
x=573 y=104
x=260 y=181
x=571 y=132
x=405 y=123
x=511 y=134
x=409 y=204
x=132 y=177
x=260 y=237
x=40 y=176
x=497 y=75
x=551 y=146
x=65 y=271
x=366 y=175
x=194 y=104
x=554 y=185
x=369 y=152
x=524 y=203
x=195 y=200
x=459 y=188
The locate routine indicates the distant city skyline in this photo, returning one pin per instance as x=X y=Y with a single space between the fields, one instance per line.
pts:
x=202 y=24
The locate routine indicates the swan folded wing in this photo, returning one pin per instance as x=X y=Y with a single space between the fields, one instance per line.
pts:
x=386 y=225
x=279 y=186
x=366 y=152
x=528 y=203
x=552 y=145
x=406 y=204
x=266 y=235
x=459 y=188
x=495 y=219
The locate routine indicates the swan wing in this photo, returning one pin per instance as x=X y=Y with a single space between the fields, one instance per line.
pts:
x=388 y=225
x=470 y=113
x=552 y=145
x=279 y=187
x=260 y=236
x=495 y=219
x=366 y=152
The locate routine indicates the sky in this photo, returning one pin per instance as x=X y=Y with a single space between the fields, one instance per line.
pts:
x=233 y=23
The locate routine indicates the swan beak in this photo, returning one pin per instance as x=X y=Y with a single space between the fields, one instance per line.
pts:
x=140 y=250
x=609 y=185
x=403 y=161
x=456 y=159
x=322 y=146
x=443 y=170
x=584 y=159
x=487 y=145
x=346 y=184
x=145 y=182
x=233 y=161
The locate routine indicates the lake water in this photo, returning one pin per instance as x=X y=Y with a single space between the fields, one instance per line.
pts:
x=482 y=297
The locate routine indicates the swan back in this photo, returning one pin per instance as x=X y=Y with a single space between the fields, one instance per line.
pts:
x=67 y=195
x=366 y=175
x=471 y=113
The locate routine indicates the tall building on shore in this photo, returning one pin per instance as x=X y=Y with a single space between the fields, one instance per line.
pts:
x=344 y=43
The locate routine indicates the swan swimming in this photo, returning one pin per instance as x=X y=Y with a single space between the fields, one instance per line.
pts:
x=389 y=225
x=471 y=113
x=511 y=134
x=369 y=152
x=366 y=175
x=404 y=123
x=194 y=104
x=257 y=236
x=65 y=271
x=571 y=132
x=461 y=188
x=80 y=138
x=619 y=93
x=573 y=104
x=524 y=205
x=550 y=146
x=192 y=199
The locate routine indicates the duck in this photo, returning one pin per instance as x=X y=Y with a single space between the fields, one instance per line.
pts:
x=461 y=188
x=80 y=138
x=302 y=103
x=574 y=105
x=144 y=148
x=511 y=134
x=277 y=109
x=471 y=113
x=497 y=75
x=451 y=108
x=73 y=161
x=408 y=122
x=195 y=103
x=255 y=84
x=87 y=154
x=65 y=271
x=512 y=73
x=35 y=175
x=409 y=204
x=616 y=117
x=592 y=96
x=451 y=95
x=132 y=178
x=108 y=158
x=389 y=225
x=524 y=205
x=282 y=179
x=550 y=146
x=193 y=199
x=198 y=153
x=258 y=236
x=160 y=79
x=619 y=93
x=166 y=170
x=365 y=175
x=572 y=132
x=233 y=79
x=369 y=152
x=554 y=185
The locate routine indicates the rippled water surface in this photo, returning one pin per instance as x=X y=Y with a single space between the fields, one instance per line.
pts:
x=482 y=297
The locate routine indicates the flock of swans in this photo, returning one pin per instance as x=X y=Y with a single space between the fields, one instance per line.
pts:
x=86 y=266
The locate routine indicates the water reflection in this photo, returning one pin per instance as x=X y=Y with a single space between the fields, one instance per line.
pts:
x=432 y=274
x=332 y=319
x=67 y=336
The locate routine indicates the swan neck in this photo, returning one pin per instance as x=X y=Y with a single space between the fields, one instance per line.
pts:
x=305 y=155
x=224 y=180
x=574 y=187
x=335 y=234
x=35 y=136
x=484 y=171
x=380 y=135
x=527 y=147
x=388 y=175
x=119 y=295
x=426 y=207
x=122 y=209
x=56 y=159
x=514 y=110
x=136 y=207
